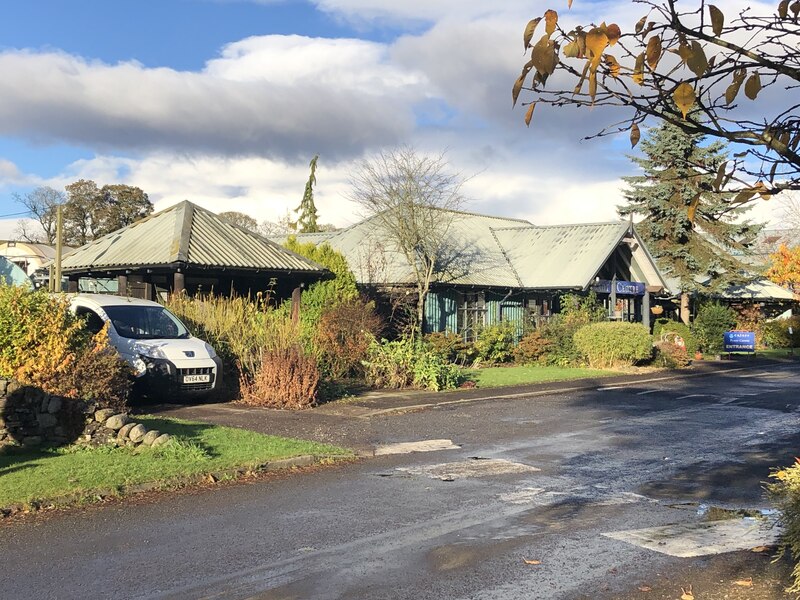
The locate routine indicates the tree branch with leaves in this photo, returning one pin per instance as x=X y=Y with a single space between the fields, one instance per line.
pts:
x=686 y=67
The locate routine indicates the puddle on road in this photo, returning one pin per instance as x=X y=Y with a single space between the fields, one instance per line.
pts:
x=475 y=467
x=421 y=446
x=721 y=530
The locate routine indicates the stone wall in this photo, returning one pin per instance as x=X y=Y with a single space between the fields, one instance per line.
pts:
x=32 y=417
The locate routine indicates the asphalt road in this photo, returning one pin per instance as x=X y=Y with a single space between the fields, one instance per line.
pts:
x=543 y=479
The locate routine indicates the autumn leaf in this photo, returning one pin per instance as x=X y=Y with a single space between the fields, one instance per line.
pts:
x=697 y=60
x=795 y=8
x=635 y=135
x=744 y=582
x=517 y=88
x=733 y=88
x=759 y=549
x=529 y=114
x=596 y=42
x=612 y=64
x=645 y=588
x=550 y=19
x=614 y=33
x=653 y=52
x=717 y=19
x=544 y=57
x=532 y=562
x=783 y=9
x=640 y=23
x=693 y=208
x=684 y=98
x=529 y=29
x=720 y=175
x=686 y=594
x=569 y=4
x=638 y=70
x=572 y=49
x=592 y=85
x=753 y=86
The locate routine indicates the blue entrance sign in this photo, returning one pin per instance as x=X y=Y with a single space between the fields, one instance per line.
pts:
x=739 y=341
x=623 y=288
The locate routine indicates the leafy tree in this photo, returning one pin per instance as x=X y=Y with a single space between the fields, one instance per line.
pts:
x=119 y=206
x=690 y=229
x=42 y=203
x=412 y=199
x=328 y=293
x=307 y=220
x=80 y=216
x=242 y=220
x=686 y=66
x=91 y=212
x=785 y=267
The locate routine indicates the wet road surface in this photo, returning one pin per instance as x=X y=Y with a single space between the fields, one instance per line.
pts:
x=546 y=479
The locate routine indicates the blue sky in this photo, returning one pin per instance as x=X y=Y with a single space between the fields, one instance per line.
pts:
x=224 y=102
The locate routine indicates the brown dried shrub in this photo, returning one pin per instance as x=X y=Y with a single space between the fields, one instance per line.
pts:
x=287 y=378
x=344 y=334
x=532 y=348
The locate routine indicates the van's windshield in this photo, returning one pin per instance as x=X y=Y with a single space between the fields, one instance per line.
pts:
x=145 y=322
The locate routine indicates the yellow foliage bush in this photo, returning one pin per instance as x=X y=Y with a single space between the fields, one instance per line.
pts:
x=43 y=344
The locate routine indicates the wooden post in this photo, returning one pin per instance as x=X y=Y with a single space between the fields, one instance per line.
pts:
x=685 y=308
x=59 y=248
x=646 y=309
x=296 y=294
x=178 y=283
x=122 y=285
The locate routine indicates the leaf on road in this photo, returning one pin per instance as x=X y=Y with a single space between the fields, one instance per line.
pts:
x=759 y=549
x=645 y=588
x=744 y=582
x=532 y=562
x=686 y=594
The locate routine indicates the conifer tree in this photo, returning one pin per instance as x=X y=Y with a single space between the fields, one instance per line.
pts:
x=695 y=233
x=307 y=219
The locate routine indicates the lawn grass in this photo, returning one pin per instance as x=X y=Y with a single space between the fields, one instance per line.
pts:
x=500 y=376
x=196 y=449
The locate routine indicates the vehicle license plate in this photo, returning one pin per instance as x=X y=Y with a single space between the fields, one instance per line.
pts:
x=196 y=378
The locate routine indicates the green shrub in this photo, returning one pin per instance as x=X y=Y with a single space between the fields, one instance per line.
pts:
x=749 y=317
x=495 y=343
x=776 y=333
x=406 y=363
x=785 y=495
x=712 y=321
x=576 y=312
x=322 y=295
x=451 y=347
x=43 y=344
x=614 y=344
x=532 y=348
x=666 y=330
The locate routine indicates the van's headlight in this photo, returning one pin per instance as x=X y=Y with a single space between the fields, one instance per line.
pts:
x=139 y=367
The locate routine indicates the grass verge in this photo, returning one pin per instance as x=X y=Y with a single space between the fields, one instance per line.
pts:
x=30 y=477
x=519 y=374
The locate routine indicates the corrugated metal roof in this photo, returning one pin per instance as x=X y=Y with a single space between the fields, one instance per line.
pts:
x=491 y=251
x=474 y=257
x=561 y=256
x=761 y=289
x=189 y=234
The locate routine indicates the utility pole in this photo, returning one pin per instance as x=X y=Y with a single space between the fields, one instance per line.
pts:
x=56 y=283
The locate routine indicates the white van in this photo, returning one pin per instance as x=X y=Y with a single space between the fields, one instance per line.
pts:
x=164 y=356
